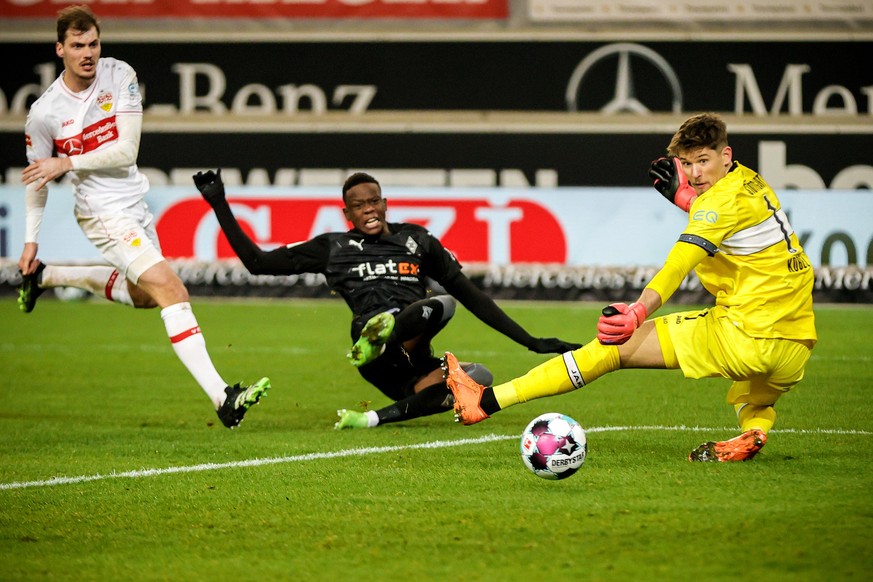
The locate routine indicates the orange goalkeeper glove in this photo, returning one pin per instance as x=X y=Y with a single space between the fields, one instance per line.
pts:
x=670 y=180
x=619 y=321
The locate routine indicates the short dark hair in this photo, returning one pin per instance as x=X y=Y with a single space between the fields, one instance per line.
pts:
x=358 y=178
x=704 y=130
x=78 y=18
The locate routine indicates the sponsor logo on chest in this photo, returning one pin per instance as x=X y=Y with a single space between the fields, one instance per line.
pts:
x=91 y=138
x=388 y=269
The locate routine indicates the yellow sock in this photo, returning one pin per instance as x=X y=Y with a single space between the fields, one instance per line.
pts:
x=752 y=416
x=561 y=374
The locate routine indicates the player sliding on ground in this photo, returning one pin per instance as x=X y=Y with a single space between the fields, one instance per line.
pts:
x=760 y=333
x=384 y=271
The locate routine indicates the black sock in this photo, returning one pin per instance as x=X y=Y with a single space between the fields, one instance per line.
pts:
x=432 y=400
x=488 y=403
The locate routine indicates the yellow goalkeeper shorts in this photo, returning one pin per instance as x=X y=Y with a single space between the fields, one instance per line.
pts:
x=707 y=344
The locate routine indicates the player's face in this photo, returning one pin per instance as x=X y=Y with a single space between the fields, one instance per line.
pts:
x=80 y=52
x=365 y=209
x=705 y=166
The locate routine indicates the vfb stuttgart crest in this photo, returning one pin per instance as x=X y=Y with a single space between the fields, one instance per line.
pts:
x=104 y=100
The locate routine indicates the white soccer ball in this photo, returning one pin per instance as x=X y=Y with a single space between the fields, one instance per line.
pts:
x=553 y=446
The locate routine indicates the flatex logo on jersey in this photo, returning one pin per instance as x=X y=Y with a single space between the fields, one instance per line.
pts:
x=476 y=230
x=621 y=58
x=404 y=270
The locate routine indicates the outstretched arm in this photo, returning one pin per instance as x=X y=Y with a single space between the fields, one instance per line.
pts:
x=256 y=260
x=483 y=307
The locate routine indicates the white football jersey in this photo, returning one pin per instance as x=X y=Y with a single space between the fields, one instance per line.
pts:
x=65 y=123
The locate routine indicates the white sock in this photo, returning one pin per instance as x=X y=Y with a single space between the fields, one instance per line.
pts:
x=190 y=347
x=372 y=418
x=100 y=280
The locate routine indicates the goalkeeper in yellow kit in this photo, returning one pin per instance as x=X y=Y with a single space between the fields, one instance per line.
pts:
x=760 y=332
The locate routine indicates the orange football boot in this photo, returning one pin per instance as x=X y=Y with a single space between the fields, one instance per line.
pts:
x=467 y=393
x=741 y=448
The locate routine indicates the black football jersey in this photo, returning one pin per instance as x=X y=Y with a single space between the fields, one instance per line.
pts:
x=372 y=274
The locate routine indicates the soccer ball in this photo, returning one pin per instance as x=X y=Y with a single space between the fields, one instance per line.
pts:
x=553 y=446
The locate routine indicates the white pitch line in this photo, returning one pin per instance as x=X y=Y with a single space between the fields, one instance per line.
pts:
x=371 y=451
x=251 y=462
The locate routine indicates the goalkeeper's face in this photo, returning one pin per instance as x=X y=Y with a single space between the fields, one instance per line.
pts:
x=365 y=209
x=706 y=166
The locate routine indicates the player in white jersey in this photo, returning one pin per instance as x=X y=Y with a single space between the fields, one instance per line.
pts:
x=88 y=124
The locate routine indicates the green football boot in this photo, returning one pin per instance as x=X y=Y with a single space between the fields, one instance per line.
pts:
x=371 y=344
x=29 y=290
x=238 y=401
x=350 y=419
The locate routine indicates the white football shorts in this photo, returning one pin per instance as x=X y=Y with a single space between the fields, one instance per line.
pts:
x=129 y=242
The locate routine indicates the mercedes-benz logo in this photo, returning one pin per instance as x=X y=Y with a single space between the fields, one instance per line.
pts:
x=73 y=147
x=624 y=98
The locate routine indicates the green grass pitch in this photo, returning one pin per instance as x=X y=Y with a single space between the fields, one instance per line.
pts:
x=114 y=466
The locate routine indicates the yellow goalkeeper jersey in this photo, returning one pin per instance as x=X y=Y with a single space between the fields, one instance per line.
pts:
x=754 y=264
